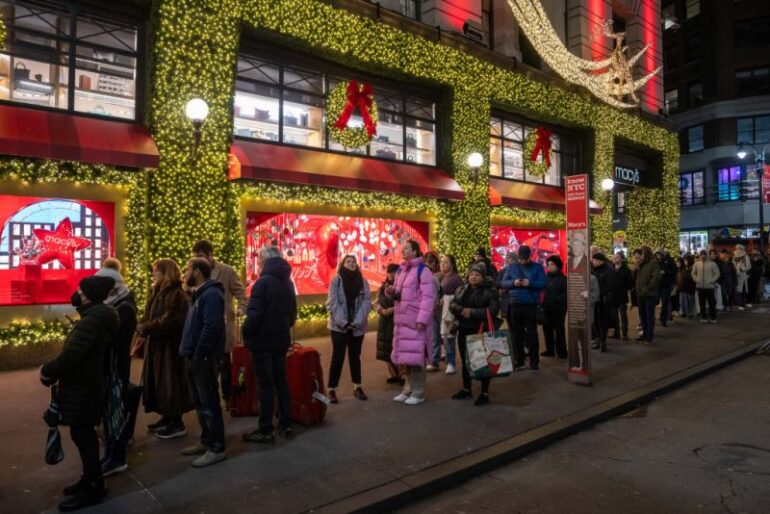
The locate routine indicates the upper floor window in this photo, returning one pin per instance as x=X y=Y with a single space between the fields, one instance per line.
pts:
x=672 y=100
x=60 y=58
x=288 y=105
x=752 y=33
x=695 y=94
x=692 y=190
x=695 y=139
x=752 y=82
x=755 y=130
x=507 y=159
x=693 y=8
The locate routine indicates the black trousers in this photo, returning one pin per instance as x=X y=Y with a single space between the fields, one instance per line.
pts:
x=84 y=437
x=555 y=335
x=462 y=345
x=524 y=319
x=707 y=297
x=605 y=316
x=342 y=342
x=226 y=376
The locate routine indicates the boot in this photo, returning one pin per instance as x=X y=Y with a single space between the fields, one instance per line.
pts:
x=72 y=489
x=90 y=493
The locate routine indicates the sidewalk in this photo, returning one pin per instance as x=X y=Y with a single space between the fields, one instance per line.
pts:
x=362 y=445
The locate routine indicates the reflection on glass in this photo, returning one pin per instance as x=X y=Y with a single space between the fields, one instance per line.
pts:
x=303 y=123
x=513 y=163
x=495 y=152
x=256 y=116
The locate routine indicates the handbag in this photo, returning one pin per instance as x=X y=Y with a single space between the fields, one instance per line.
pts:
x=489 y=353
x=138 y=347
x=20 y=71
x=54 y=453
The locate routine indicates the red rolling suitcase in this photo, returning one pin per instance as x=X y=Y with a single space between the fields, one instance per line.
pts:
x=244 y=398
x=306 y=385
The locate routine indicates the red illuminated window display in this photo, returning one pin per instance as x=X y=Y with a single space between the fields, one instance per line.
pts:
x=47 y=245
x=314 y=245
x=543 y=243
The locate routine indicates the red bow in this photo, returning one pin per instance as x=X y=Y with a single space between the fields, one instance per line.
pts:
x=542 y=145
x=361 y=97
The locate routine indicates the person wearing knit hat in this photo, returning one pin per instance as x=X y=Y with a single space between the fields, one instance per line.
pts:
x=478 y=267
x=555 y=309
x=96 y=288
x=481 y=256
x=599 y=256
x=385 y=308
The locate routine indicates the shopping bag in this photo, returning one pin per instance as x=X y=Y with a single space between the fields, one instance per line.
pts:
x=54 y=453
x=488 y=353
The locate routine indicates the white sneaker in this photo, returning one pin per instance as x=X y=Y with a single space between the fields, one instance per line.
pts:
x=431 y=367
x=749 y=306
x=401 y=398
x=450 y=369
x=413 y=400
x=740 y=308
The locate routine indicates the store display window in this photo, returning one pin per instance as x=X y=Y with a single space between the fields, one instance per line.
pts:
x=543 y=242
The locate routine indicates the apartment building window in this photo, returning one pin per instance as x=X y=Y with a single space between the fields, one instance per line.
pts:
x=754 y=130
x=692 y=190
x=695 y=139
x=693 y=49
x=752 y=82
x=729 y=183
x=695 y=95
x=672 y=100
x=693 y=8
x=752 y=33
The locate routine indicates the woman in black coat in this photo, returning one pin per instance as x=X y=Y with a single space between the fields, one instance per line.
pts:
x=385 y=308
x=470 y=305
x=555 y=309
x=78 y=372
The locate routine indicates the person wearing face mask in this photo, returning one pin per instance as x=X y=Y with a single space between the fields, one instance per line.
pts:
x=555 y=309
x=78 y=372
x=348 y=304
x=705 y=274
x=164 y=374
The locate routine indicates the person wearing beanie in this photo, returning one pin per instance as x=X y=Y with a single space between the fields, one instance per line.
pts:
x=525 y=281
x=117 y=368
x=603 y=309
x=555 y=309
x=481 y=256
x=384 y=305
x=77 y=371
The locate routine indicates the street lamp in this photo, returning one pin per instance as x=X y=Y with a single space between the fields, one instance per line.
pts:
x=759 y=159
x=608 y=184
x=475 y=161
x=196 y=110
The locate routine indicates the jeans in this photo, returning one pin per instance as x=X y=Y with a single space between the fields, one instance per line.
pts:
x=437 y=340
x=665 y=305
x=84 y=437
x=687 y=305
x=647 y=316
x=270 y=368
x=622 y=316
x=553 y=329
x=707 y=296
x=463 y=347
x=524 y=318
x=342 y=341
x=226 y=376
x=202 y=377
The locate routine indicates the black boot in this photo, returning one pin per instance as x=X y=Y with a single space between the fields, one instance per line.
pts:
x=72 y=489
x=90 y=493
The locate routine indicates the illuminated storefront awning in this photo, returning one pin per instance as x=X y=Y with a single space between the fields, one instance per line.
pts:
x=532 y=196
x=61 y=136
x=291 y=165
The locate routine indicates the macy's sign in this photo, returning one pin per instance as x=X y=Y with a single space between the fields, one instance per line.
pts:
x=627 y=175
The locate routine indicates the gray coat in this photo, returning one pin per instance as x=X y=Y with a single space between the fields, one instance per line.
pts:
x=337 y=307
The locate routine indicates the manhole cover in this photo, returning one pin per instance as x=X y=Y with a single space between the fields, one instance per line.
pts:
x=740 y=458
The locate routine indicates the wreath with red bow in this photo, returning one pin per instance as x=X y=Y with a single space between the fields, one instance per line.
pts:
x=346 y=99
x=537 y=151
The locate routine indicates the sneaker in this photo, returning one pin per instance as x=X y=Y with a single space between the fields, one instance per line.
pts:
x=483 y=399
x=749 y=306
x=713 y=321
x=258 y=437
x=112 y=468
x=704 y=321
x=359 y=393
x=158 y=425
x=649 y=343
x=208 y=458
x=431 y=367
x=413 y=400
x=401 y=397
x=450 y=369
x=332 y=395
x=171 y=432
x=286 y=433
x=595 y=345
x=462 y=394
x=740 y=308
x=519 y=367
x=198 y=449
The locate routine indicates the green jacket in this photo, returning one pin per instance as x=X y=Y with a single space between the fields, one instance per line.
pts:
x=648 y=279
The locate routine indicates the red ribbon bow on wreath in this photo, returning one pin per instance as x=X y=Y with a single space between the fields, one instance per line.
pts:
x=542 y=145
x=361 y=97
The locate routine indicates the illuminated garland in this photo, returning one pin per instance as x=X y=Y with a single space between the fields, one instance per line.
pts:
x=2 y=33
x=38 y=333
x=538 y=167
x=349 y=137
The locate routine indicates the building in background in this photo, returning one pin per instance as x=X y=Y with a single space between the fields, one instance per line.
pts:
x=717 y=89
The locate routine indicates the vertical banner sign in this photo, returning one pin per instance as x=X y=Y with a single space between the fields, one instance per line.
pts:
x=578 y=280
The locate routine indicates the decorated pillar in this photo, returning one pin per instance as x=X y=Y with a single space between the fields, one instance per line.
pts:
x=603 y=166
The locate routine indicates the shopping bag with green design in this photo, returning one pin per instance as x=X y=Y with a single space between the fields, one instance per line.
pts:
x=489 y=354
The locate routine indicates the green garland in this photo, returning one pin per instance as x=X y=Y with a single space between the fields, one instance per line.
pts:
x=349 y=137
x=38 y=333
x=538 y=167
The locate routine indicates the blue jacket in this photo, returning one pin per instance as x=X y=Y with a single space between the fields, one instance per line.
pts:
x=529 y=295
x=272 y=309
x=204 y=328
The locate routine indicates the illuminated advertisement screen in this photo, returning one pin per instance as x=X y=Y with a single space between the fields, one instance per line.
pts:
x=48 y=244
x=314 y=245
x=543 y=243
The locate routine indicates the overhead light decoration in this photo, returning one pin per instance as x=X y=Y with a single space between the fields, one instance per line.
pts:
x=609 y=79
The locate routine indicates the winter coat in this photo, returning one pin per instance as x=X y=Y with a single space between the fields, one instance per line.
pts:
x=479 y=300
x=233 y=290
x=529 y=295
x=337 y=307
x=742 y=268
x=120 y=345
x=164 y=373
x=648 y=279
x=727 y=277
x=555 y=293
x=684 y=281
x=705 y=274
x=602 y=274
x=79 y=368
x=619 y=283
x=668 y=272
x=384 y=324
x=204 y=331
x=448 y=284
x=415 y=306
x=272 y=309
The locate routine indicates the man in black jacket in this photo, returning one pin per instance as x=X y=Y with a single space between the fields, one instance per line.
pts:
x=667 y=279
x=620 y=282
x=555 y=309
x=203 y=344
x=270 y=315
x=78 y=371
x=603 y=308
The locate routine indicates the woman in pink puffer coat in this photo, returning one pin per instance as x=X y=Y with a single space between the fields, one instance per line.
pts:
x=415 y=297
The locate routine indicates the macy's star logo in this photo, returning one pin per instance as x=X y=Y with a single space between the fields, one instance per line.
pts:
x=60 y=244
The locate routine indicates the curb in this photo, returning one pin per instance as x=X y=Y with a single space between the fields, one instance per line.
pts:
x=432 y=480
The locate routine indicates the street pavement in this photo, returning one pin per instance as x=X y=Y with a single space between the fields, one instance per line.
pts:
x=701 y=449
x=360 y=446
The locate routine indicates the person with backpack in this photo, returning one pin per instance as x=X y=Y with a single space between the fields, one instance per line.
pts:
x=385 y=309
x=705 y=275
x=686 y=286
x=414 y=297
x=348 y=304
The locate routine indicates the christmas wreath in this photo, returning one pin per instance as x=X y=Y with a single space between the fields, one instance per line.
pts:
x=343 y=101
x=537 y=151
